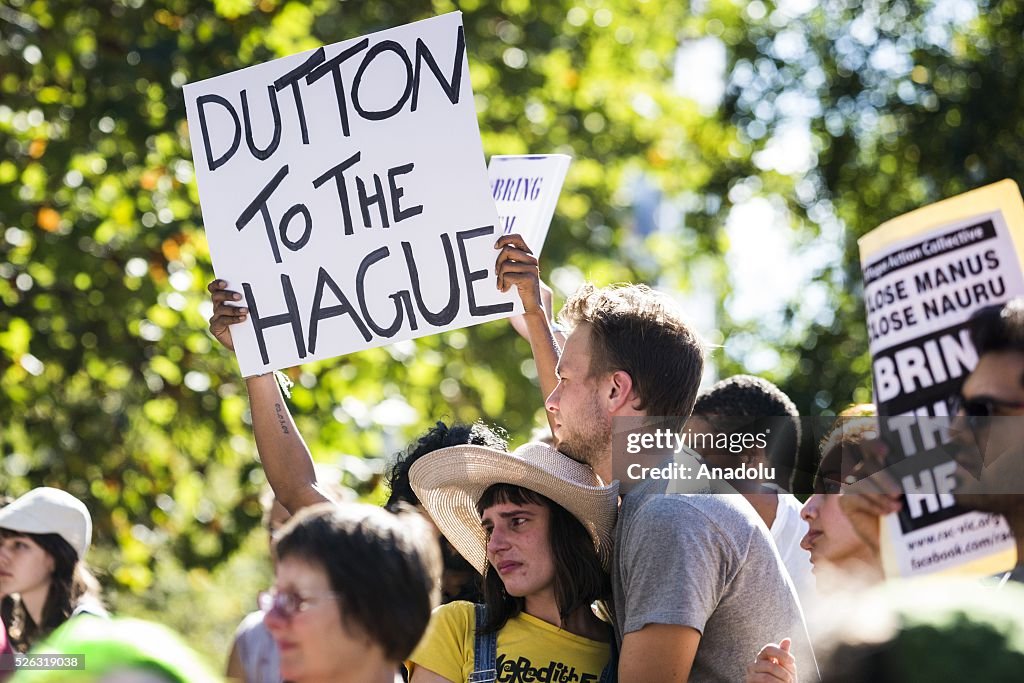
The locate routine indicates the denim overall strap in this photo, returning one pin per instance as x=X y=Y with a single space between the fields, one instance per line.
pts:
x=485 y=651
x=610 y=674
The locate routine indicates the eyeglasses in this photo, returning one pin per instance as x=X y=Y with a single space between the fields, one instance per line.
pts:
x=982 y=407
x=290 y=604
x=976 y=410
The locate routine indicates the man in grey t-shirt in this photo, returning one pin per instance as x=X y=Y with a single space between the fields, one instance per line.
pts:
x=706 y=563
x=698 y=587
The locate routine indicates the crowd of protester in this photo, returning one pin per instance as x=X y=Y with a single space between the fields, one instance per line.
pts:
x=550 y=565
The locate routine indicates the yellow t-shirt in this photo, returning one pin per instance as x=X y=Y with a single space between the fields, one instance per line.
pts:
x=529 y=649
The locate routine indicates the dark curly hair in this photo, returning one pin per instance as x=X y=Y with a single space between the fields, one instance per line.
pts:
x=746 y=403
x=438 y=436
x=461 y=580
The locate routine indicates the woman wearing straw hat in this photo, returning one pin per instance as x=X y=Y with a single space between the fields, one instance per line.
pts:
x=538 y=526
x=44 y=581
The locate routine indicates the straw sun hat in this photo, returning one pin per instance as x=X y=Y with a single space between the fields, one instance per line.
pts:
x=450 y=482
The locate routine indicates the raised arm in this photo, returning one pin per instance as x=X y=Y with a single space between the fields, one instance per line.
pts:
x=547 y=297
x=286 y=459
x=517 y=266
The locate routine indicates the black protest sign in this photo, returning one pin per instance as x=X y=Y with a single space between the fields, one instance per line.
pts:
x=925 y=273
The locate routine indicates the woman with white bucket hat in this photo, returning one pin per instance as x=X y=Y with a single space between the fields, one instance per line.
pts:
x=539 y=527
x=44 y=581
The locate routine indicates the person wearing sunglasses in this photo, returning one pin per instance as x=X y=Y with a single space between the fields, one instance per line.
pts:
x=987 y=432
x=845 y=558
x=354 y=586
x=987 y=435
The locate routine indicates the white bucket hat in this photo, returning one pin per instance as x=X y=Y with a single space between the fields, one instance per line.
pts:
x=450 y=482
x=50 y=511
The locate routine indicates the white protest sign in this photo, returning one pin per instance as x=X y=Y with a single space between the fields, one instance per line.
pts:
x=525 y=190
x=345 y=195
x=924 y=274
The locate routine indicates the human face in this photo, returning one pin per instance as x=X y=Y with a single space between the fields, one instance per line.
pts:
x=830 y=536
x=991 y=457
x=25 y=568
x=519 y=548
x=313 y=644
x=582 y=426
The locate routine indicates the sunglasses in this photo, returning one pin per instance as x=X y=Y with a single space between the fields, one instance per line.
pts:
x=978 y=409
x=290 y=604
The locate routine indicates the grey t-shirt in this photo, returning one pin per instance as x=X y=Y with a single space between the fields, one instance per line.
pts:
x=705 y=561
x=257 y=650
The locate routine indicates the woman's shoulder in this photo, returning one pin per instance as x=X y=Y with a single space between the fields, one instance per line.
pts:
x=459 y=611
x=447 y=646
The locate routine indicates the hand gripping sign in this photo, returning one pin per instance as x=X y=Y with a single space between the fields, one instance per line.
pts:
x=925 y=273
x=345 y=195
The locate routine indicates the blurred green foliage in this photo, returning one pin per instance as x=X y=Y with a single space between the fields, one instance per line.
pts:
x=112 y=389
x=908 y=102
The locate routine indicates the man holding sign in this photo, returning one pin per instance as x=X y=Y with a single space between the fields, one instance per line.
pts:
x=989 y=432
x=987 y=435
x=925 y=273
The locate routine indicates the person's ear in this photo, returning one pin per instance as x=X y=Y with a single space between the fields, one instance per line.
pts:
x=620 y=391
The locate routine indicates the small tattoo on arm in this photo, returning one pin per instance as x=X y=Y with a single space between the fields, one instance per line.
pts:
x=279 y=409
